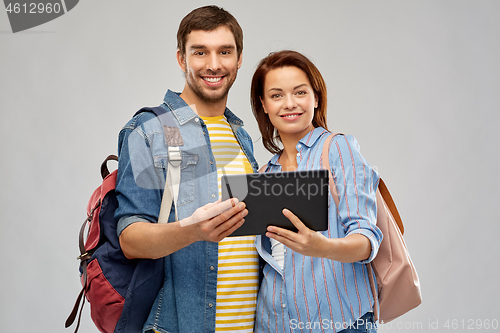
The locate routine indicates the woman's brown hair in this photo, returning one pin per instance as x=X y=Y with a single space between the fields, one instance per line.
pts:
x=285 y=58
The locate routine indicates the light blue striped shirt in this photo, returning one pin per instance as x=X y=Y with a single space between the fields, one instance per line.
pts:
x=316 y=294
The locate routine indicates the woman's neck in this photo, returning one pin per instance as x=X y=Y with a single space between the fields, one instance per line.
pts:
x=288 y=158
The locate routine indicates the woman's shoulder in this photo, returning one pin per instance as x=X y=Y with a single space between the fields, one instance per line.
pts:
x=343 y=147
x=342 y=140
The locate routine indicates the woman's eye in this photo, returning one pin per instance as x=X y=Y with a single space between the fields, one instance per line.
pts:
x=301 y=92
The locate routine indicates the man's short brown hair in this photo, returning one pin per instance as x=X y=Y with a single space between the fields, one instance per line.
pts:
x=208 y=18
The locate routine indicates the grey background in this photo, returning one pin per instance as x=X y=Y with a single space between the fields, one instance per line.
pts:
x=416 y=82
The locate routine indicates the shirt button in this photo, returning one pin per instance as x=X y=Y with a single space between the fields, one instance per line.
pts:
x=213 y=195
x=212 y=268
x=212 y=162
x=196 y=119
x=283 y=306
x=210 y=305
x=298 y=154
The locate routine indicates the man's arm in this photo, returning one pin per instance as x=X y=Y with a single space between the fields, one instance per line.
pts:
x=156 y=240
x=138 y=189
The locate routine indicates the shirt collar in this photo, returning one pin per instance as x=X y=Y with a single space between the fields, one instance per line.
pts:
x=184 y=113
x=308 y=140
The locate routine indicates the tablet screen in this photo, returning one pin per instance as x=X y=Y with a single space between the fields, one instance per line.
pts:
x=305 y=193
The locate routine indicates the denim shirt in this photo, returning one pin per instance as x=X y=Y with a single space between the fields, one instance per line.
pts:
x=186 y=302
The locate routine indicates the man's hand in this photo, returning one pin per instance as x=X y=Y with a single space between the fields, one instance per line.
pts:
x=215 y=221
x=208 y=211
x=156 y=240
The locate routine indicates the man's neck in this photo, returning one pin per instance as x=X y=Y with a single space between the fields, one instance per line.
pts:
x=202 y=107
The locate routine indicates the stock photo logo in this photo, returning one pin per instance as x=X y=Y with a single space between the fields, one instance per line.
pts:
x=25 y=15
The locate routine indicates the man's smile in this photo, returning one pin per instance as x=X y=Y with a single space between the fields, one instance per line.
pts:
x=212 y=80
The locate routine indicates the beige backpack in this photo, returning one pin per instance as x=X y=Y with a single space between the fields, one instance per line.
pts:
x=398 y=285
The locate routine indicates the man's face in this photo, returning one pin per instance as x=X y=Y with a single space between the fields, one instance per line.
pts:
x=210 y=63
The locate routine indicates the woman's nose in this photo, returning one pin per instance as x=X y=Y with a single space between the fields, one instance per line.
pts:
x=289 y=102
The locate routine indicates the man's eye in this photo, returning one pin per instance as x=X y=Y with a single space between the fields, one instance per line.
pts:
x=199 y=53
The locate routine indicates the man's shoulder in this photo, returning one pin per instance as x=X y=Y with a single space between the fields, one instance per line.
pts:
x=140 y=119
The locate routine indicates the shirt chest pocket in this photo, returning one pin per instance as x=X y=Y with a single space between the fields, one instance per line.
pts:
x=188 y=168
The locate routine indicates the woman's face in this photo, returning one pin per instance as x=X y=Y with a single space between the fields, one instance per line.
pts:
x=289 y=101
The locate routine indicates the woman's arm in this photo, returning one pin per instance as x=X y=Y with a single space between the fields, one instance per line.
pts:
x=352 y=248
x=356 y=183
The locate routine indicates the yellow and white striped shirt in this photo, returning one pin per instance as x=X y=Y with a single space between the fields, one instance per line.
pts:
x=238 y=272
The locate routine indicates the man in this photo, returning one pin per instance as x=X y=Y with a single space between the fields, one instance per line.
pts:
x=210 y=281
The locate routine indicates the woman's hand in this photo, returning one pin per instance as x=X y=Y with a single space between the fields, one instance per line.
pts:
x=305 y=241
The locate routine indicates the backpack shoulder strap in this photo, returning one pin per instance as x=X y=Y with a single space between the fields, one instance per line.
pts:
x=325 y=161
x=173 y=139
x=384 y=191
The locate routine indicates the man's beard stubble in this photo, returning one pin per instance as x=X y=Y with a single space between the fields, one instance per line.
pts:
x=201 y=93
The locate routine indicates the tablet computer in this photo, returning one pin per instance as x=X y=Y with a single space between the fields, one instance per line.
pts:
x=305 y=193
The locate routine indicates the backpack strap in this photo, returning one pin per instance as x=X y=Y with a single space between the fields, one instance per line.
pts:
x=174 y=179
x=384 y=191
x=173 y=140
x=325 y=161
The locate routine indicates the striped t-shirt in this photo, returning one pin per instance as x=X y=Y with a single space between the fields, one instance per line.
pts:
x=238 y=272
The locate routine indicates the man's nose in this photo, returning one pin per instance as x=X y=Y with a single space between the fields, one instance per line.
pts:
x=213 y=63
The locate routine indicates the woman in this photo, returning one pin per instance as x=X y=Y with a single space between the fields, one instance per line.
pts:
x=313 y=281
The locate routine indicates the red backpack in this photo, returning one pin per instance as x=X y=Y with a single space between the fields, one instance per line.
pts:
x=120 y=291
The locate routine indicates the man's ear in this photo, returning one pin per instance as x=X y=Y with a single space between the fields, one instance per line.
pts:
x=240 y=60
x=181 y=60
